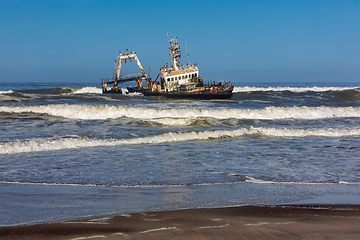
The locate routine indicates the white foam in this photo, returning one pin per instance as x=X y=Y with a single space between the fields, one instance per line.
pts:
x=54 y=184
x=167 y=116
x=220 y=226
x=95 y=90
x=260 y=181
x=160 y=229
x=91 y=237
x=117 y=186
x=6 y=92
x=36 y=145
x=87 y=90
x=257 y=181
x=133 y=94
x=86 y=223
x=291 y=89
x=266 y=223
x=257 y=224
x=124 y=91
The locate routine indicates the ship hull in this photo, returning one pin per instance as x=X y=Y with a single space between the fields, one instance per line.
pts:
x=117 y=91
x=206 y=95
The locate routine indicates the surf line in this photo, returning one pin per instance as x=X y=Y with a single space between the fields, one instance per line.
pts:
x=257 y=182
x=101 y=112
x=292 y=89
x=64 y=143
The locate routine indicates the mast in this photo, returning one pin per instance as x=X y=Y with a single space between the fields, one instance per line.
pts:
x=187 y=55
x=175 y=53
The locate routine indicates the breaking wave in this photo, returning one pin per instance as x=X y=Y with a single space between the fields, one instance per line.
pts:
x=6 y=92
x=95 y=90
x=247 y=179
x=88 y=90
x=102 y=112
x=291 y=89
x=36 y=145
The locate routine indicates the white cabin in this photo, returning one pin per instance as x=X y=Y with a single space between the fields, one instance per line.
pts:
x=171 y=78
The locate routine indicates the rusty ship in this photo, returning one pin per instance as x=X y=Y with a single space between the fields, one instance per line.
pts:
x=111 y=85
x=174 y=81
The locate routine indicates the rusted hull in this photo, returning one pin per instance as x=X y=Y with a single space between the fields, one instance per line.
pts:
x=134 y=89
x=202 y=95
x=117 y=91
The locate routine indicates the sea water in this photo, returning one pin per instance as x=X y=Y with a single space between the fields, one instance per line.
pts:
x=68 y=151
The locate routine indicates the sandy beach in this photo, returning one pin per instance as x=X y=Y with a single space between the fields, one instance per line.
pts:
x=246 y=222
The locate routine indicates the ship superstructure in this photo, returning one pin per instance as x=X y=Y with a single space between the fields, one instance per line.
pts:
x=171 y=78
x=175 y=81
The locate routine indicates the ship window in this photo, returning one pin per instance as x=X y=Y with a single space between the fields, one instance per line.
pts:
x=172 y=79
x=192 y=75
x=168 y=79
x=175 y=78
x=183 y=77
x=195 y=74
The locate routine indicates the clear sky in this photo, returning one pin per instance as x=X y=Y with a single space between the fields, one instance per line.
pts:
x=242 y=41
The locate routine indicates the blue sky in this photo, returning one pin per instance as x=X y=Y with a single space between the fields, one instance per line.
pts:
x=242 y=41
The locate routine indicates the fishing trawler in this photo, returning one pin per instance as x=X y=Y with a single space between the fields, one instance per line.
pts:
x=184 y=82
x=175 y=81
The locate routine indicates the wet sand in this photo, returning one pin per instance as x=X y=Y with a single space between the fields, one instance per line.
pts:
x=247 y=222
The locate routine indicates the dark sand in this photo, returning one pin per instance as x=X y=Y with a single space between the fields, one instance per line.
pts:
x=248 y=222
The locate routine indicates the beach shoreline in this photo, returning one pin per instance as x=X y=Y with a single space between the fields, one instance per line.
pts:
x=306 y=221
x=34 y=204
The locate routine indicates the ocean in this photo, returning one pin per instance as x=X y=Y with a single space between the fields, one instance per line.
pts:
x=67 y=151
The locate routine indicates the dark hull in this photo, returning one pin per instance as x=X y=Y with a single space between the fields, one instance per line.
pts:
x=207 y=95
x=117 y=91
x=135 y=89
x=190 y=95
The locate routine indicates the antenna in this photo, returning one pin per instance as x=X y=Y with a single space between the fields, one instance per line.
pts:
x=187 y=54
